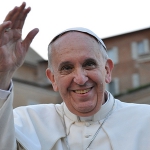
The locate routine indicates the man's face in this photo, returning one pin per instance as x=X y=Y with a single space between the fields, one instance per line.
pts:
x=79 y=72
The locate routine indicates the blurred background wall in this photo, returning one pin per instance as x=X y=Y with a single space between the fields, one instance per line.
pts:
x=31 y=85
x=131 y=75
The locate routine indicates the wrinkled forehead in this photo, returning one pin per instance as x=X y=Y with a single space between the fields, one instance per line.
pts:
x=82 y=30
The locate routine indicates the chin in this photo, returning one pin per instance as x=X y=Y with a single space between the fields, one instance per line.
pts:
x=85 y=112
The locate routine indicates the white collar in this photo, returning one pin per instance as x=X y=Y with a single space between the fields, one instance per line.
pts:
x=101 y=114
x=70 y=118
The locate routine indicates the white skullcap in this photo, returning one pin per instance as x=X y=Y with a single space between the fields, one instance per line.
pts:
x=80 y=29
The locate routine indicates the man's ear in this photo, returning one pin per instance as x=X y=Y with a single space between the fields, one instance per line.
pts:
x=50 y=76
x=109 y=67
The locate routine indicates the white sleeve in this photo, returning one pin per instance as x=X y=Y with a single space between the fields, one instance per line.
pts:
x=7 y=130
x=4 y=94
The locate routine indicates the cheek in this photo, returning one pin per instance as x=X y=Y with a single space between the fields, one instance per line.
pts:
x=63 y=83
x=97 y=76
x=99 y=79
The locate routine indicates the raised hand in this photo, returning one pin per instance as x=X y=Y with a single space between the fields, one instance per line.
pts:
x=12 y=48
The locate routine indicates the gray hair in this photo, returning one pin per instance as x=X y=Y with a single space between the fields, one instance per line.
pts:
x=103 y=48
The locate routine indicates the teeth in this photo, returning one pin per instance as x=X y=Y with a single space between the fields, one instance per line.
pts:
x=82 y=91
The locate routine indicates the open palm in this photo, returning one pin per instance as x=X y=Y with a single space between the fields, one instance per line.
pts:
x=12 y=48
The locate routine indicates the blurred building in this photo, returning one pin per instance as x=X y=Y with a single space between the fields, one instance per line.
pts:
x=130 y=78
x=131 y=75
x=31 y=85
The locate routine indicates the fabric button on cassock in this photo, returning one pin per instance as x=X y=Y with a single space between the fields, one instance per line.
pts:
x=87 y=124
x=87 y=136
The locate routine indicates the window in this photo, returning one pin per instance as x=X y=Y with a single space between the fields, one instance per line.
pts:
x=140 y=48
x=113 y=54
x=113 y=86
x=135 y=80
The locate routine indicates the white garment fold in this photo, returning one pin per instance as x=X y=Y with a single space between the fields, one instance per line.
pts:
x=44 y=127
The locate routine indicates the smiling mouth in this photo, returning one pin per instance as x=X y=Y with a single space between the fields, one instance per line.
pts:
x=82 y=91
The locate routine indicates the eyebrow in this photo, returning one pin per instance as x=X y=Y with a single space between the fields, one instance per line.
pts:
x=90 y=59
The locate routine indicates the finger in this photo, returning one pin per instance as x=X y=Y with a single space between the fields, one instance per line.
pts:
x=4 y=26
x=14 y=11
x=21 y=19
x=10 y=14
x=14 y=15
x=21 y=24
x=27 y=41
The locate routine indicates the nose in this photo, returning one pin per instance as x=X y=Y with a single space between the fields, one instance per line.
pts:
x=80 y=77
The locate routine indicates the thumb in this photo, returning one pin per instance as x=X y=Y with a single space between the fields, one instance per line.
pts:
x=30 y=36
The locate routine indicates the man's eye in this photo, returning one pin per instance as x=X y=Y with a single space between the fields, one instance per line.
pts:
x=66 y=69
x=89 y=65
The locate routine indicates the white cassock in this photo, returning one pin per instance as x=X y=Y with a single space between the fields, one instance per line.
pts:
x=54 y=127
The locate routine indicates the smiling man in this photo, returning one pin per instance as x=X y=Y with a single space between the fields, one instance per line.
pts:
x=89 y=118
x=79 y=70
